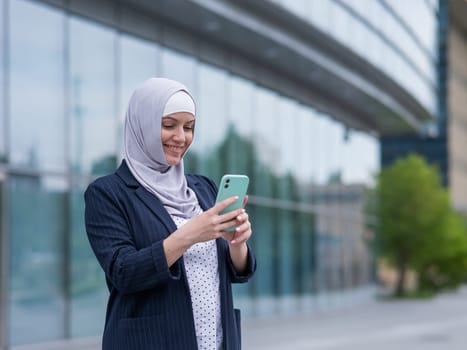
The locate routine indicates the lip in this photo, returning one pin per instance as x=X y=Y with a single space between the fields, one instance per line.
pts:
x=174 y=149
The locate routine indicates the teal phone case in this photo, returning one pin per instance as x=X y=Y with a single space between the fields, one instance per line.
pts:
x=232 y=185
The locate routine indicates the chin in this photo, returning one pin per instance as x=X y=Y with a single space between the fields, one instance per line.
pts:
x=173 y=161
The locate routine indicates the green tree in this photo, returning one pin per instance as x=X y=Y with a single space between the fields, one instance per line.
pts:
x=446 y=265
x=416 y=223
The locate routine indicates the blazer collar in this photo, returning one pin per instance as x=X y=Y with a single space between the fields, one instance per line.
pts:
x=125 y=174
x=152 y=202
x=199 y=189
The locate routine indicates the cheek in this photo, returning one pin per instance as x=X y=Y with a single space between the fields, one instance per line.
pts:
x=164 y=135
x=189 y=138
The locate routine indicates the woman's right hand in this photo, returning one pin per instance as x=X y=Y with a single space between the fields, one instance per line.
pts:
x=210 y=224
x=202 y=228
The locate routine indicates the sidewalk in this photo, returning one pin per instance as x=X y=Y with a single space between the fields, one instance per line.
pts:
x=435 y=324
x=438 y=323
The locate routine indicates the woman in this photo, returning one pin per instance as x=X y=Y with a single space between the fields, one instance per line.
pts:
x=159 y=237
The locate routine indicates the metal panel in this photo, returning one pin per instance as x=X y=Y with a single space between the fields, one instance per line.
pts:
x=138 y=24
x=4 y=263
x=102 y=10
x=458 y=14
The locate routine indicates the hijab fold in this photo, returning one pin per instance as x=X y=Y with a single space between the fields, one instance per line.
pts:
x=144 y=152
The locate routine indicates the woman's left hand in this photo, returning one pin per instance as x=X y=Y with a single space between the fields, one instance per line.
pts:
x=243 y=228
x=237 y=240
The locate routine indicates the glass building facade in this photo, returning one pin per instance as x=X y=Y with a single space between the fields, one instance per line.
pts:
x=65 y=82
x=399 y=37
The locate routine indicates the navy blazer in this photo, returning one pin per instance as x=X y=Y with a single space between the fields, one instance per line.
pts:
x=149 y=306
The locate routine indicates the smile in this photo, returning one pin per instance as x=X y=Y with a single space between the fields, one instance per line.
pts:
x=175 y=148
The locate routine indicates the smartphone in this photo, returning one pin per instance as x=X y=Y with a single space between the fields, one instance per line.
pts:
x=232 y=185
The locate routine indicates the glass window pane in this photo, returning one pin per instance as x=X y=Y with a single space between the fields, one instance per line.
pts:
x=311 y=156
x=298 y=7
x=360 y=158
x=240 y=115
x=240 y=146
x=93 y=107
x=420 y=18
x=2 y=104
x=333 y=137
x=37 y=259
x=4 y=260
x=342 y=28
x=321 y=144
x=264 y=243
x=179 y=67
x=309 y=151
x=288 y=124
x=211 y=124
x=88 y=290
x=182 y=68
x=138 y=61
x=286 y=237
x=307 y=252
x=264 y=185
x=320 y=14
x=288 y=162
x=265 y=134
x=37 y=131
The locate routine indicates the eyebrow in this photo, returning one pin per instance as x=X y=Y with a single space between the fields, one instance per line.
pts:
x=176 y=120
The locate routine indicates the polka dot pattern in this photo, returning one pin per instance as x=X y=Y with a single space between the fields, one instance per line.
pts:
x=203 y=278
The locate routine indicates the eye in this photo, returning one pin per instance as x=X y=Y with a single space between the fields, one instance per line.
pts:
x=189 y=127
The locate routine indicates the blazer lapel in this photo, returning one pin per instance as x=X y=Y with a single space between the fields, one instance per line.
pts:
x=151 y=201
x=155 y=205
x=200 y=192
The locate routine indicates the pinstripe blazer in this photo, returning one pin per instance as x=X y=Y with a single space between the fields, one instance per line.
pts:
x=149 y=306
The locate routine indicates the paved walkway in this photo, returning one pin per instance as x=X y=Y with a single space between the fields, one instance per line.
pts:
x=435 y=324
x=439 y=323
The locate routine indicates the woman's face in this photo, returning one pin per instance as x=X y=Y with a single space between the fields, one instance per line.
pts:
x=177 y=135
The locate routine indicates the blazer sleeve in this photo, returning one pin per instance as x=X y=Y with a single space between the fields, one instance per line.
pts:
x=236 y=277
x=129 y=270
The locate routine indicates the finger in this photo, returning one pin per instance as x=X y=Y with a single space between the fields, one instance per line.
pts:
x=245 y=200
x=231 y=215
x=242 y=236
x=228 y=236
x=224 y=204
x=241 y=229
x=242 y=217
x=224 y=225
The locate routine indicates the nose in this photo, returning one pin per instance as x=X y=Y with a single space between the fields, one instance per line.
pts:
x=179 y=134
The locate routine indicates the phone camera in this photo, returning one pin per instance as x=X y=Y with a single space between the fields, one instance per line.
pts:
x=226 y=186
x=228 y=180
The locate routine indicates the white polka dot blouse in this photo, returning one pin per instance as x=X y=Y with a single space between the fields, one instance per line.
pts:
x=203 y=278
